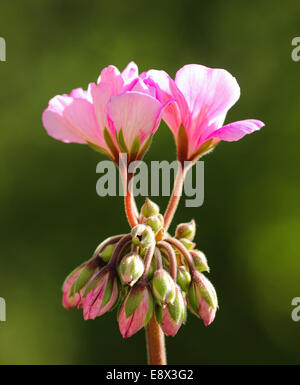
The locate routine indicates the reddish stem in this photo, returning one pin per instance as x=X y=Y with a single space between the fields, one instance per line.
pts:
x=155 y=341
x=175 y=197
x=129 y=202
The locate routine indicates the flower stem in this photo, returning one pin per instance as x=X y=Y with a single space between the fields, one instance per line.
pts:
x=129 y=202
x=155 y=341
x=175 y=197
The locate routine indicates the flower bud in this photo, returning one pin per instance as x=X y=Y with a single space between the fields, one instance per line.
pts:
x=155 y=222
x=200 y=260
x=131 y=269
x=76 y=282
x=101 y=294
x=149 y=208
x=106 y=254
x=189 y=245
x=186 y=230
x=136 y=310
x=202 y=298
x=142 y=235
x=173 y=315
x=183 y=278
x=163 y=287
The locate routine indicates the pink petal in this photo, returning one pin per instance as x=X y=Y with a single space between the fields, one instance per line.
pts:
x=56 y=125
x=174 y=114
x=101 y=94
x=81 y=115
x=237 y=130
x=112 y=75
x=136 y=113
x=208 y=91
x=130 y=72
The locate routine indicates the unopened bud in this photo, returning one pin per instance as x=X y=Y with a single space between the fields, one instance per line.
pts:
x=149 y=208
x=131 y=269
x=101 y=294
x=186 y=230
x=142 y=235
x=163 y=287
x=183 y=278
x=172 y=316
x=200 y=260
x=202 y=298
x=155 y=222
x=136 y=310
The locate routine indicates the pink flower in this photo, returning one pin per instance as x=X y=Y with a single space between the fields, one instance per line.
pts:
x=136 y=310
x=116 y=114
x=203 y=97
x=101 y=294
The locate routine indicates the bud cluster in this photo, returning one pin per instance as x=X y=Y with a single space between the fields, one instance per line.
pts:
x=144 y=273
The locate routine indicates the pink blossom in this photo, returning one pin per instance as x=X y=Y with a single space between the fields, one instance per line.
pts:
x=117 y=101
x=203 y=97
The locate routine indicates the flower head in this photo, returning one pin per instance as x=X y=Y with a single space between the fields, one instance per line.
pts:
x=203 y=97
x=119 y=113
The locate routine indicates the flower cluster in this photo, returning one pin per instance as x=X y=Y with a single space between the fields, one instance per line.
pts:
x=145 y=272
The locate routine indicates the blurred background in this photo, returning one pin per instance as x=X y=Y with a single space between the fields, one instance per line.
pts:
x=52 y=218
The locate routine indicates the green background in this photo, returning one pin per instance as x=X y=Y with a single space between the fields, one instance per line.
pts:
x=52 y=219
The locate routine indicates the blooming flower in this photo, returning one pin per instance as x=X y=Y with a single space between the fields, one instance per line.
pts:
x=203 y=97
x=117 y=114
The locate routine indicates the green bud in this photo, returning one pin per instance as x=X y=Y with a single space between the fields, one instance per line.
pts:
x=183 y=278
x=200 y=261
x=189 y=245
x=106 y=254
x=149 y=208
x=155 y=222
x=163 y=287
x=131 y=269
x=142 y=235
x=186 y=230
